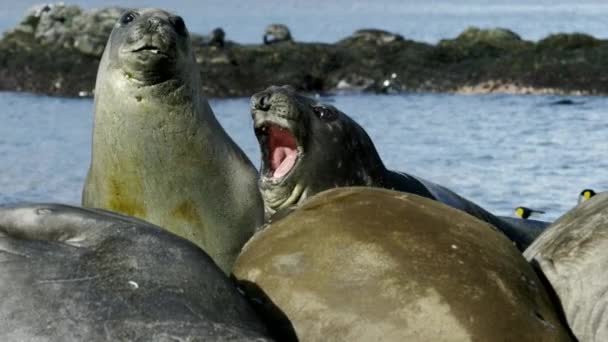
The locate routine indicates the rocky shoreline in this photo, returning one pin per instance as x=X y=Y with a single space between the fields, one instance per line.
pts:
x=55 y=50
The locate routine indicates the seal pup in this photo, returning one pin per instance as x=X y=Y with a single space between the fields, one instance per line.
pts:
x=308 y=147
x=158 y=151
x=571 y=255
x=276 y=33
x=370 y=264
x=78 y=274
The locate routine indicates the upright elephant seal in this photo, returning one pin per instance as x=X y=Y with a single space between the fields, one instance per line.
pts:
x=308 y=147
x=368 y=264
x=572 y=254
x=74 y=274
x=158 y=151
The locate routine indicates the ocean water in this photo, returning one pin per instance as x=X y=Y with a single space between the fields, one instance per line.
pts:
x=500 y=151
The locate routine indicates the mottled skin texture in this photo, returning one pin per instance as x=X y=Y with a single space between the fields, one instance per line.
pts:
x=335 y=151
x=158 y=151
x=369 y=264
x=76 y=274
x=573 y=256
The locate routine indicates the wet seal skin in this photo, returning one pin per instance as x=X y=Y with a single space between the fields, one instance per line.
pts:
x=77 y=274
x=158 y=150
x=572 y=255
x=369 y=264
x=308 y=147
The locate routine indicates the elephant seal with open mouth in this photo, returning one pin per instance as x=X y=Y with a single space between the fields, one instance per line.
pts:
x=308 y=147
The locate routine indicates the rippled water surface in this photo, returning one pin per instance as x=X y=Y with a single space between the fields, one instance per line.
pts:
x=500 y=151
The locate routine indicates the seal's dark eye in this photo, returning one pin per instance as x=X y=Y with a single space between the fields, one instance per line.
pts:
x=179 y=25
x=324 y=114
x=127 y=18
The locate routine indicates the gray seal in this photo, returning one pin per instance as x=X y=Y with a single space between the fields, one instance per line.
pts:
x=308 y=147
x=572 y=255
x=378 y=37
x=158 y=151
x=77 y=274
x=276 y=33
x=369 y=264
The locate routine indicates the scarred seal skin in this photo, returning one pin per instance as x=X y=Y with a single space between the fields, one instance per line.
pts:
x=158 y=151
x=308 y=147
x=369 y=264
x=76 y=274
x=572 y=255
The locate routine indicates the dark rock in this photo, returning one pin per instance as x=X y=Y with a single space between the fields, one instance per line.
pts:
x=563 y=41
x=56 y=48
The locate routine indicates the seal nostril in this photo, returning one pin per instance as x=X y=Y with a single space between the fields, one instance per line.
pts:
x=263 y=102
x=153 y=23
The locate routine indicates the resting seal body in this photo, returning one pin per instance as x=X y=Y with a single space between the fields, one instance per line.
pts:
x=572 y=254
x=158 y=151
x=379 y=37
x=277 y=33
x=369 y=264
x=308 y=147
x=74 y=274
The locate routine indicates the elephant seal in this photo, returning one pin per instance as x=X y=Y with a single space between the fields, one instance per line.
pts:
x=369 y=264
x=308 y=147
x=378 y=37
x=158 y=151
x=571 y=254
x=76 y=274
x=277 y=33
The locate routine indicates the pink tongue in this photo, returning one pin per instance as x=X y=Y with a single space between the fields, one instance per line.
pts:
x=283 y=159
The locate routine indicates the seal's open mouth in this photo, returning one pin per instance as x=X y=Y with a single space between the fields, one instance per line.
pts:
x=150 y=49
x=279 y=151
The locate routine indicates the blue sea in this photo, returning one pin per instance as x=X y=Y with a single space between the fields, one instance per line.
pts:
x=501 y=151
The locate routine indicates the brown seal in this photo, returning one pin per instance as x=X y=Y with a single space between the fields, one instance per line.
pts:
x=368 y=264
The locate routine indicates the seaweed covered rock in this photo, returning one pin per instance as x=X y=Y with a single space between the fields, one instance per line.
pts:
x=568 y=41
x=484 y=42
x=56 y=48
x=67 y=26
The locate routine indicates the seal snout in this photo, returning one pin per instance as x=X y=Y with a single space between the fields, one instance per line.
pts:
x=275 y=123
x=261 y=101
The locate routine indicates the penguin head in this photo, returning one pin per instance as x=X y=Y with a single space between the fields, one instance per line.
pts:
x=524 y=212
x=585 y=195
